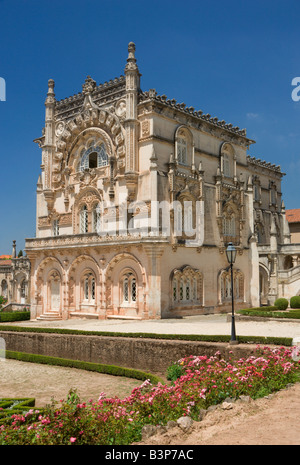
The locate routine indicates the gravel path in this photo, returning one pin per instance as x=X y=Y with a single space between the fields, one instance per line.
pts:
x=200 y=324
x=44 y=382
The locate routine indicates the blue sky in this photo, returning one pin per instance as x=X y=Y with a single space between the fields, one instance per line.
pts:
x=234 y=60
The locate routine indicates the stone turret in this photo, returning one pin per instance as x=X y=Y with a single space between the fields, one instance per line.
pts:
x=132 y=77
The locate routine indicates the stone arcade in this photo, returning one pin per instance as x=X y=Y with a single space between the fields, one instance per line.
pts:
x=114 y=148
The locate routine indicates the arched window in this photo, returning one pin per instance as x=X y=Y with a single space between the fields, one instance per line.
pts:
x=94 y=157
x=187 y=287
x=129 y=288
x=225 y=285
x=227 y=160
x=23 y=289
x=89 y=288
x=184 y=154
x=229 y=226
x=84 y=224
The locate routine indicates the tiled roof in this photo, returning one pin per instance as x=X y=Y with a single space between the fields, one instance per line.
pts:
x=293 y=216
x=5 y=262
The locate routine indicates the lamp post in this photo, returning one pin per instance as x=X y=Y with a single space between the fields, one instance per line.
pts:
x=231 y=255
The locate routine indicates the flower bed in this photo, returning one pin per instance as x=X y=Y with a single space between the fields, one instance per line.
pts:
x=199 y=382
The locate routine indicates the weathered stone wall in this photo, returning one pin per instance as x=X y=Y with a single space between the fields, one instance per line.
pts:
x=140 y=353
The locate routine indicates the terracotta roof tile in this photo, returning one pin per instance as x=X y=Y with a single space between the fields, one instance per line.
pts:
x=293 y=216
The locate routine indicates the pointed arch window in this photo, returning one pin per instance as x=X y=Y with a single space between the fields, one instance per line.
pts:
x=182 y=150
x=89 y=288
x=229 y=226
x=225 y=286
x=187 y=287
x=94 y=157
x=129 y=289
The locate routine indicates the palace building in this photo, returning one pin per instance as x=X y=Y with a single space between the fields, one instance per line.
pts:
x=137 y=199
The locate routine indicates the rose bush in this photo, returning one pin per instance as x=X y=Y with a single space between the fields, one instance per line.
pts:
x=202 y=381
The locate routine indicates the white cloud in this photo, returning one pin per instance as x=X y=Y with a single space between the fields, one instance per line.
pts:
x=252 y=115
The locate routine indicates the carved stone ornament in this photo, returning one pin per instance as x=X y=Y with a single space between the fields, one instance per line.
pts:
x=121 y=108
x=59 y=128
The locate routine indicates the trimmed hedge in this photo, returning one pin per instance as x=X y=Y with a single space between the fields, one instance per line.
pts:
x=14 y=316
x=270 y=308
x=281 y=304
x=89 y=366
x=295 y=301
x=12 y=406
x=292 y=314
x=173 y=337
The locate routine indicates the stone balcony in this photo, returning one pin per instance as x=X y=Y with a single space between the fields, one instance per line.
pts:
x=90 y=240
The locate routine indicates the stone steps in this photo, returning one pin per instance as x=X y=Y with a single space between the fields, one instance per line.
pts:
x=49 y=316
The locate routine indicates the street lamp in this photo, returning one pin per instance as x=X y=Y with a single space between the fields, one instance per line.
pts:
x=231 y=255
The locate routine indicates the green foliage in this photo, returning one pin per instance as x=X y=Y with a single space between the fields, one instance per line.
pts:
x=10 y=406
x=281 y=304
x=174 y=372
x=14 y=316
x=206 y=381
x=292 y=314
x=3 y=301
x=295 y=301
x=269 y=308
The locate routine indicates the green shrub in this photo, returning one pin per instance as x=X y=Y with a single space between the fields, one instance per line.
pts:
x=270 y=308
x=295 y=301
x=174 y=372
x=15 y=316
x=281 y=304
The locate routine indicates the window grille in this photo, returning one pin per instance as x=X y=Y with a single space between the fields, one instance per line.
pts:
x=84 y=220
x=126 y=290
x=182 y=151
x=55 y=228
x=133 y=290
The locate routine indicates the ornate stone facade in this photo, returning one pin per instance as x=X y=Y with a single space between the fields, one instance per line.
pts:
x=137 y=199
x=15 y=280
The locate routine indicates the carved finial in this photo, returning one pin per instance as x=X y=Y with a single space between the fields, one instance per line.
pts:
x=50 y=94
x=89 y=85
x=131 y=50
x=131 y=60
